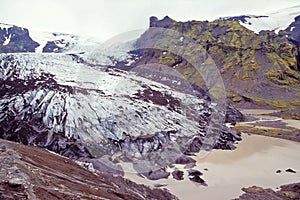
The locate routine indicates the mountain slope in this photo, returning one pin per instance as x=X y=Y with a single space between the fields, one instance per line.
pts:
x=259 y=70
x=14 y=39
x=33 y=173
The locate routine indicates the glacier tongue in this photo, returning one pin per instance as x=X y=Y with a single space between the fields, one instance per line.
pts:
x=79 y=111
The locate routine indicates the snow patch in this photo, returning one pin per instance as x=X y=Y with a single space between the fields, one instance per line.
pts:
x=5 y=26
x=275 y=21
x=7 y=40
x=292 y=28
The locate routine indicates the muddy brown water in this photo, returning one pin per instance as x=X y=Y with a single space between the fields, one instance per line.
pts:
x=254 y=162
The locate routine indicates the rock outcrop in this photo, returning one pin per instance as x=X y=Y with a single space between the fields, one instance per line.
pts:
x=15 y=39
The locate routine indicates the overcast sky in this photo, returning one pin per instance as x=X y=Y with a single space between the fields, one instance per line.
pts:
x=103 y=19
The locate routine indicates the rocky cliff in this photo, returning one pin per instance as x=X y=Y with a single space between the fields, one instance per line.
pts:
x=15 y=39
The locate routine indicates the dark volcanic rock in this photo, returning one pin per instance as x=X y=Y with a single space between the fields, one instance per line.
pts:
x=290 y=170
x=178 y=175
x=197 y=179
x=233 y=115
x=157 y=174
x=184 y=159
x=194 y=146
x=193 y=172
x=166 y=22
x=51 y=46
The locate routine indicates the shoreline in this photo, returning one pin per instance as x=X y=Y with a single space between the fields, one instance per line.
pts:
x=254 y=162
x=262 y=122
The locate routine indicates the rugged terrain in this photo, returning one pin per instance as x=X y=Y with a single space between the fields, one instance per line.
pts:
x=258 y=69
x=91 y=113
x=33 y=173
x=152 y=102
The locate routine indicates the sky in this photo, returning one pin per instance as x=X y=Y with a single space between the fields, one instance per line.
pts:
x=103 y=19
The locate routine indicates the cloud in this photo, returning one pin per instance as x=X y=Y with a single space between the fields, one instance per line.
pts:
x=103 y=19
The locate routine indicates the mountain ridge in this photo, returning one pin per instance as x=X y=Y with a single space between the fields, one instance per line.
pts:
x=249 y=63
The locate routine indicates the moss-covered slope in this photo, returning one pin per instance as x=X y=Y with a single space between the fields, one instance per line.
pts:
x=257 y=69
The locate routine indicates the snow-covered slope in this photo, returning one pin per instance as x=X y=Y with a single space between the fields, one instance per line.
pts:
x=61 y=42
x=14 y=39
x=276 y=21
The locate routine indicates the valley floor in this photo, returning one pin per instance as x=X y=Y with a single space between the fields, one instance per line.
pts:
x=256 y=161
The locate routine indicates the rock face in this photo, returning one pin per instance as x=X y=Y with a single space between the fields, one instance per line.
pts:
x=15 y=39
x=85 y=113
x=33 y=173
x=293 y=31
x=258 y=70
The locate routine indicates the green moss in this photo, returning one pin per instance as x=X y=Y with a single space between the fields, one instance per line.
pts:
x=167 y=59
x=253 y=189
x=262 y=130
x=289 y=194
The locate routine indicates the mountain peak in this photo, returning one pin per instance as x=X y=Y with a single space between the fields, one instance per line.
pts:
x=166 y=22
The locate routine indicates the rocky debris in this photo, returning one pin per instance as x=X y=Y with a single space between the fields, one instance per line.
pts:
x=157 y=174
x=184 y=159
x=194 y=175
x=290 y=170
x=104 y=164
x=194 y=172
x=32 y=173
x=197 y=179
x=286 y=192
x=178 y=175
